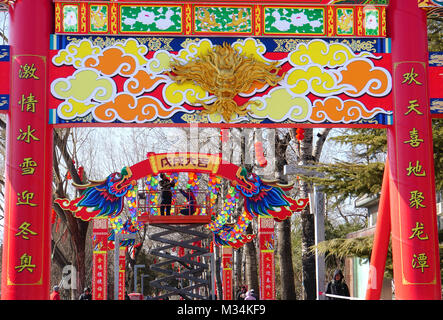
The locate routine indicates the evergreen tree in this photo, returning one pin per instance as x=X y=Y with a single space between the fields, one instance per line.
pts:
x=361 y=172
x=437 y=135
x=435 y=33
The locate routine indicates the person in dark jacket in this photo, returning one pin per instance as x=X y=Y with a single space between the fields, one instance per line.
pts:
x=192 y=202
x=86 y=295
x=337 y=286
x=241 y=293
x=166 y=194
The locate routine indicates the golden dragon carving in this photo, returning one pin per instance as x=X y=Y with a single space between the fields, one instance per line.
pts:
x=225 y=73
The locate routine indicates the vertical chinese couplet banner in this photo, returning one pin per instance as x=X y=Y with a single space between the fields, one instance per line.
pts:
x=227 y=272
x=100 y=259
x=25 y=257
x=412 y=189
x=267 y=267
x=121 y=273
x=415 y=196
x=28 y=174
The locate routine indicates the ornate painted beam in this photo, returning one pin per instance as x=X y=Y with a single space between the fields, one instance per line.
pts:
x=304 y=18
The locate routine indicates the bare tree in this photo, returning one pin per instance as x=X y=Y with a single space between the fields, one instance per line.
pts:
x=77 y=228
x=284 y=246
x=4 y=16
x=308 y=154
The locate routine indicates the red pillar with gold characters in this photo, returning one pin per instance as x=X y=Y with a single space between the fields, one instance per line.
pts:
x=227 y=272
x=122 y=273
x=27 y=233
x=100 y=259
x=412 y=189
x=267 y=266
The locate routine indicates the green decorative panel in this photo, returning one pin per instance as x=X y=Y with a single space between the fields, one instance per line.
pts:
x=319 y=19
x=345 y=21
x=98 y=17
x=371 y=22
x=294 y=20
x=223 y=19
x=70 y=18
x=151 y=18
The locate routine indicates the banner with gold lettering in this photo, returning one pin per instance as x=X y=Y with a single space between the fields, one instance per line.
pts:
x=412 y=190
x=121 y=273
x=416 y=225
x=227 y=272
x=184 y=161
x=28 y=172
x=100 y=259
x=28 y=187
x=267 y=266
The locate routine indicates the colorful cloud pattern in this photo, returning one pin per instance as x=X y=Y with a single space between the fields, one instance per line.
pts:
x=111 y=83
x=324 y=82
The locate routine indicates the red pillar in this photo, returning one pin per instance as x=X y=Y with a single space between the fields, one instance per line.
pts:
x=381 y=241
x=412 y=189
x=227 y=272
x=267 y=265
x=122 y=273
x=28 y=185
x=100 y=259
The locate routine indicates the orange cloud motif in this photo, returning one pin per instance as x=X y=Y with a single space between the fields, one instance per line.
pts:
x=334 y=109
x=113 y=61
x=127 y=108
x=365 y=78
x=256 y=86
x=141 y=82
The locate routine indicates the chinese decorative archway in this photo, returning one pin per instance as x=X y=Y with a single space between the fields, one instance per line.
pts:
x=245 y=64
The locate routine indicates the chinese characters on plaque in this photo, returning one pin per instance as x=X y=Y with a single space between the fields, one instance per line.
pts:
x=267 y=266
x=28 y=103
x=227 y=272
x=100 y=259
x=415 y=193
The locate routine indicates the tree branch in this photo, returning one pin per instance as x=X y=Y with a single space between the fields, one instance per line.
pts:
x=322 y=135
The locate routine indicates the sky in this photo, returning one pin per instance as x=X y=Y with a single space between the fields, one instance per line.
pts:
x=3 y=25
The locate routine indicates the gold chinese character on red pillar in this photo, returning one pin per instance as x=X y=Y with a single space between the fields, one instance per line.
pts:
x=416 y=169
x=411 y=77
x=27 y=135
x=25 y=231
x=28 y=72
x=420 y=261
x=413 y=105
x=28 y=166
x=25 y=198
x=26 y=263
x=28 y=103
x=416 y=199
x=414 y=141
x=417 y=232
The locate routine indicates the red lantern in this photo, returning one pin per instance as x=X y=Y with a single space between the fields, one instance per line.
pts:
x=259 y=154
x=81 y=170
x=300 y=134
x=53 y=216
